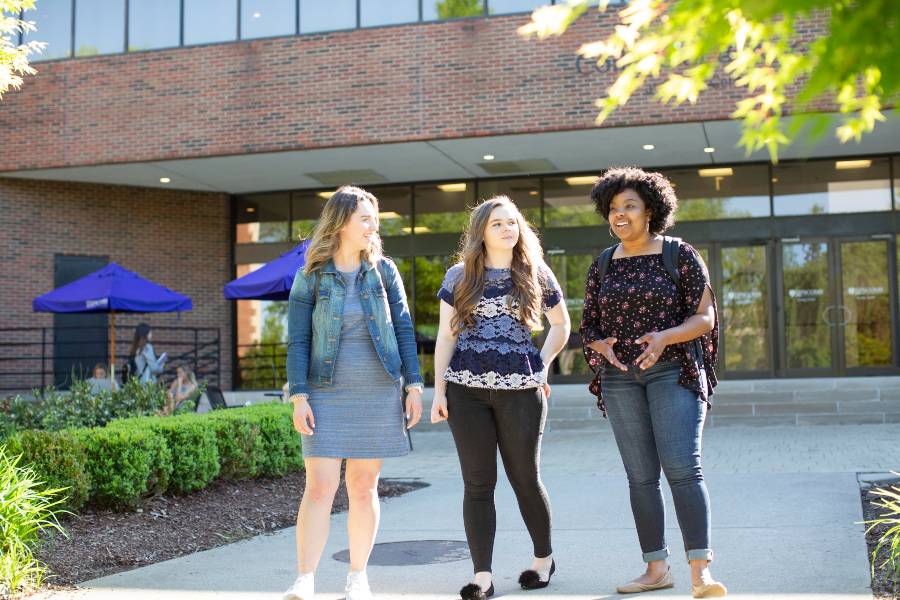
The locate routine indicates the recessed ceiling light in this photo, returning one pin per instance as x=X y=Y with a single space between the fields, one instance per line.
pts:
x=251 y=209
x=257 y=15
x=774 y=180
x=709 y=149
x=164 y=180
x=325 y=195
x=451 y=187
x=649 y=146
x=488 y=157
x=533 y=193
x=720 y=172
x=582 y=180
x=843 y=165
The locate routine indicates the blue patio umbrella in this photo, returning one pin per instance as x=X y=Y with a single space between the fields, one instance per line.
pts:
x=110 y=290
x=272 y=281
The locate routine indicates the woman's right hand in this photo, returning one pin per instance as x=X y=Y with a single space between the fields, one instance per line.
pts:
x=304 y=421
x=439 y=408
x=605 y=349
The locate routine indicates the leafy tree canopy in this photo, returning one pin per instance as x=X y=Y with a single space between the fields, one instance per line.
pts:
x=854 y=64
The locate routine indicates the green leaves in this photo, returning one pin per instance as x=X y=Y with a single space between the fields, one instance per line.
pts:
x=889 y=542
x=27 y=508
x=13 y=57
x=787 y=55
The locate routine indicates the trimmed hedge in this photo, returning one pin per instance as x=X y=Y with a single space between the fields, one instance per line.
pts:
x=117 y=465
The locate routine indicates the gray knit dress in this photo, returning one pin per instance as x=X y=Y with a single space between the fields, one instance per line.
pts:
x=361 y=415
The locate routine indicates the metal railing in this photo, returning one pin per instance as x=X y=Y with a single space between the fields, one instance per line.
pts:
x=27 y=359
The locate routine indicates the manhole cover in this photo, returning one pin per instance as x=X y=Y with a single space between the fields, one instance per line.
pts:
x=419 y=552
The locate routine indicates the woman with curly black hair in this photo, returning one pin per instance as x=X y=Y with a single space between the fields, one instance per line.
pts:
x=650 y=333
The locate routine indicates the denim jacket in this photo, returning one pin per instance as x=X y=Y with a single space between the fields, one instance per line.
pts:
x=314 y=324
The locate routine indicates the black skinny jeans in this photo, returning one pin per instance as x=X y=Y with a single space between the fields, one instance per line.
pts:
x=482 y=420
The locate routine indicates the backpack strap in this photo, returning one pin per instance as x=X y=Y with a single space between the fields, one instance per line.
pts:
x=604 y=260
x=670 y=250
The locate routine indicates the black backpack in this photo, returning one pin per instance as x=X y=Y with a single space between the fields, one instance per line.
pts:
x=130 y=370
x=670 y=250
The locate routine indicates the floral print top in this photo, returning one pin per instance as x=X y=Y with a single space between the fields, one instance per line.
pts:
x=637 y=296
x=498 y=352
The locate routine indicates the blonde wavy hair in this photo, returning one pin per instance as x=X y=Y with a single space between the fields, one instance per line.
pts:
x=527 y=290
x=325 y=239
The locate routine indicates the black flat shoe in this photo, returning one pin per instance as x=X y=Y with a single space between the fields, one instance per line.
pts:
x=530 y=580
x=473 y=591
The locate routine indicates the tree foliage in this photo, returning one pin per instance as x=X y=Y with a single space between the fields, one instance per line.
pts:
x=14 y=56
x=760 y=45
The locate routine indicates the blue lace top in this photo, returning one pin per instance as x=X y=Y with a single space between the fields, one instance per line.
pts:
x=497 y=352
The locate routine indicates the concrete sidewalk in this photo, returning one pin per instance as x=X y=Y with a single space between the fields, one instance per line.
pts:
x=785 y=505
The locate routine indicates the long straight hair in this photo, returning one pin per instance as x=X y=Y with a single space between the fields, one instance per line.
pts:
x=326 y=239
x=527 y=291
x=140 y=339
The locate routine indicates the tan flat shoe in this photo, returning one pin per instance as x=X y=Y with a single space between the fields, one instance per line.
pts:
x=635 y=587
x=709 y=590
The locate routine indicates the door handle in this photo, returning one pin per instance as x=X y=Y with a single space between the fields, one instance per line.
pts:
x=847 y=312
x=825 y=312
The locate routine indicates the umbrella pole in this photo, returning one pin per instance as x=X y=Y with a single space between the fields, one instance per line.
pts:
x=112 y=346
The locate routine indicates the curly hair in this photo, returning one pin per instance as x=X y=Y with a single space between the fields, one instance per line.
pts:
x=654 y=189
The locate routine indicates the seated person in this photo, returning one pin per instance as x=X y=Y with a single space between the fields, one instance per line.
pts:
x=101 y=381
x=183 y=388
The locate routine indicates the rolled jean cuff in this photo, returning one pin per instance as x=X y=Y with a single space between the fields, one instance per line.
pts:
x=661 y=554
x=704 y=554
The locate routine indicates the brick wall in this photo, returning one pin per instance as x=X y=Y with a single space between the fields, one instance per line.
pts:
x=178 y=239
x=390 y=84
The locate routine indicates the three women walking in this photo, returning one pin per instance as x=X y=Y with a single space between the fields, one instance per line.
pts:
x=650 y=332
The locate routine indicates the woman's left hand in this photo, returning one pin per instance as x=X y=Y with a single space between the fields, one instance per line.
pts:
x=413 y=407
x=655 y=344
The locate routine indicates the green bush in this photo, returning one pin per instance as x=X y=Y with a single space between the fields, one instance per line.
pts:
x=27 y=507
x=53 y=410
x=125 y=464
x=60 y=459
x=281 y=449
x=194 y=452
x=239 y=442
x=115 y=466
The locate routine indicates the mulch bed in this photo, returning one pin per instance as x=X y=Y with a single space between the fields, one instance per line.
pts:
x=102 y=542
x=884 y=585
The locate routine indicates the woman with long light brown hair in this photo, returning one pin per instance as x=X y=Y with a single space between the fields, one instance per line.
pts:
x=351 y=347
x=491 y=380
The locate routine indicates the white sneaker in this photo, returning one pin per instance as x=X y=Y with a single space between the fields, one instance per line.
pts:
x=357 y=586
x=302 y=588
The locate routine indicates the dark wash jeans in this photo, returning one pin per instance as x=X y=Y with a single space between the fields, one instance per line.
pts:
x=481 y=421
x=658 y=423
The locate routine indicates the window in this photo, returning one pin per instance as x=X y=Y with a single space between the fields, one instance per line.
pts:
x=567 y=202
x=262 y=218
x=443 y=207
x=896 y=184
x=99 y=27
x=267 y=18
x=153 y=24
x=53 y=19
x=306 y=208
x=394 y=210
x=503 y=7
x=261 y=340
x=433 y=10
x=208 y=21
x=387 y=12
x=430 y=271
x=327 y=15
x=526 y=193
x=709 y=193
x=832 y=186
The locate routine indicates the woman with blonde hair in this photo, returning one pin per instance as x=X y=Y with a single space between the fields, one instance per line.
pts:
x=491 y=382
x=351 y=347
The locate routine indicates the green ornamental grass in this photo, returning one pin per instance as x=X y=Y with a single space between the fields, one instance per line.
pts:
x=27 y=508
x=889 y=500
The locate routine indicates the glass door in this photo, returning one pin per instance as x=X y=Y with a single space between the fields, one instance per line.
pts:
x=837 y=317
x=863 y=317
x=744 y=311
x=571 y=268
